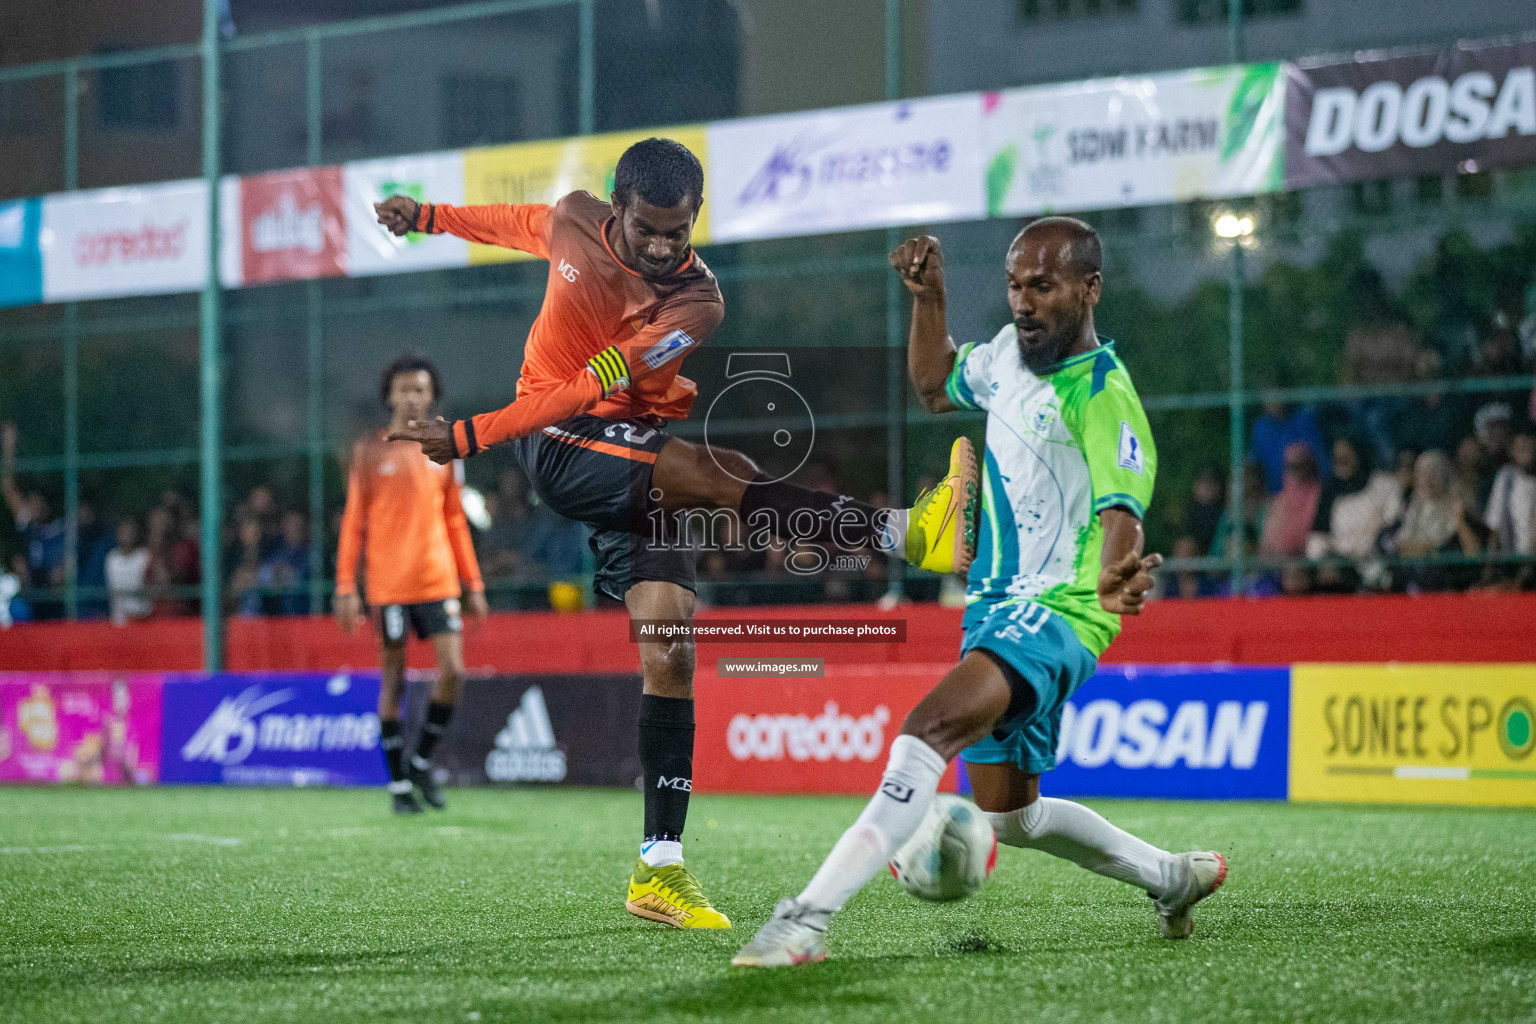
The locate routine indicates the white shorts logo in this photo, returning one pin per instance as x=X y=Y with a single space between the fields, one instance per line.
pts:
x=1130 y=449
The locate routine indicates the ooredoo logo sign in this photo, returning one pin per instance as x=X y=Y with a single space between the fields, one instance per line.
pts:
x=1469 y=108
x=292 y=226
x=833 y=735
x=829 y=735
x=144 y=240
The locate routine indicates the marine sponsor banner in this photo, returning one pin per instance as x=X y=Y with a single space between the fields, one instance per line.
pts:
x=909 y=162
x=829 y=735
x=1208 y=132
x=93 y=728
x=431 y=177
x=542 y=172
x=21 y=261
x=261 y=729
x=138 y=240
x=1176 y=731
x=289 y=226
x=577 y=729
x=1421 y=734
x=1470 y=107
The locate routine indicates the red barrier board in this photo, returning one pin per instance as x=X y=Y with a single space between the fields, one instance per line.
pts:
x=829 y=735
x=1275 y=631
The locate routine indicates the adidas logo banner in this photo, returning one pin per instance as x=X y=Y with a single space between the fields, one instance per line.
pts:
x=525 y=748
x=574 y=729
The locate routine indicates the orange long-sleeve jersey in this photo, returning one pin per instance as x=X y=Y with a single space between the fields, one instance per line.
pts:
x=607 y=341
x=404 y=517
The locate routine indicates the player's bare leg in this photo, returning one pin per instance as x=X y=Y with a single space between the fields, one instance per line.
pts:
x=661 y=888
x=391 y=690
x=449 y=650
x=937 y=533
x=960 y=710
x=1022 y=817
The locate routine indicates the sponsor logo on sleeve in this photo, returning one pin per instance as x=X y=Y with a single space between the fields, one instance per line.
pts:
x=667 y=349
x=1130 y=449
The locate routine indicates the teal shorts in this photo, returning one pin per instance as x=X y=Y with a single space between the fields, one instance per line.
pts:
x=1053 y=661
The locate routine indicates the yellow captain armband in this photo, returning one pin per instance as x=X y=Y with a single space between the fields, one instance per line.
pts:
x=611 y=370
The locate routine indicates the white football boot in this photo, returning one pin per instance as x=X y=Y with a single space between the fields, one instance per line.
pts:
x=795 y=934
x=1195 y=876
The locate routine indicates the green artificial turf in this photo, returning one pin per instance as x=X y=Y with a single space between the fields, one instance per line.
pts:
x=247 y=906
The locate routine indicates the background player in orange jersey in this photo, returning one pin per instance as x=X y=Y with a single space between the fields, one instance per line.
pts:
x=404 y=518
x=627 y=298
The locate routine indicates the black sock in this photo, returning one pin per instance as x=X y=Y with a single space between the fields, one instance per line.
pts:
x=799 y=513
x=666 y=764
x=393 y=745
x=432 y=730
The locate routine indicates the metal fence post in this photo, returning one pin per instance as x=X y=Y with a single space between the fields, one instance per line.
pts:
x=586 y=67
x=315 y=333
x=1237 y=458
x=71 y=359
x=895 y=349
x=1235 y=509
x=210 y=357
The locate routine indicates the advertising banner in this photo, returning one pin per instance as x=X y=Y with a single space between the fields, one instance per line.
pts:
x=1175 y=731
x=578 y=729
x=911 y=162
x=258 y=729
x=289 y=226
x=139 y=240
x=829 y=735
x=21 y=261
x=1209 y=132
x=1420 y=734
x=1470 y=107
x=82 y=727
x=431 y=177
x=542 y=172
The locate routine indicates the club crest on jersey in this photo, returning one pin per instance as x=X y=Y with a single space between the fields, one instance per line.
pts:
x=667 y=349
x=1130 y=449
x=1042 y=419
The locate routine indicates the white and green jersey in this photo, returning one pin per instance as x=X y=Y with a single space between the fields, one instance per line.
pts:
x=1060 y=449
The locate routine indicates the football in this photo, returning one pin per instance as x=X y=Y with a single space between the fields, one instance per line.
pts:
x=951 y=854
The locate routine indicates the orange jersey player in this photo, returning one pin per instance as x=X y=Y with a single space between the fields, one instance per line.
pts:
x=627 y=299
x=404 y=519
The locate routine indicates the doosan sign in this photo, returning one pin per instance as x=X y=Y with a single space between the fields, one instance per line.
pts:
x=1468 y=108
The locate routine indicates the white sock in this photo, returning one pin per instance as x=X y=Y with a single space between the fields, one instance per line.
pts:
x=1075 y=833
x=906 y=789
x=661 y=852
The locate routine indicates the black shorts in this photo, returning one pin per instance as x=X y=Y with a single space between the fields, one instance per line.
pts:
x=426 y=620
x=598 y=472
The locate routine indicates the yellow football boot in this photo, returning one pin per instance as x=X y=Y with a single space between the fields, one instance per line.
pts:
x=671 y=895
x=941 y=526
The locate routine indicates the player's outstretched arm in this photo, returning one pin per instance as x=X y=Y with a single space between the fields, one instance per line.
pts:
x=930 y=357
x=442 y=442
x=508 y=225
x=1125 y=575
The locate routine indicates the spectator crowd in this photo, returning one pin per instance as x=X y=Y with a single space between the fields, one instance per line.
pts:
x=1432 y=489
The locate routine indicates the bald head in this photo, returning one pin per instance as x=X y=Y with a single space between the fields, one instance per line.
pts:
x=1054 y=281
x=1074 y=245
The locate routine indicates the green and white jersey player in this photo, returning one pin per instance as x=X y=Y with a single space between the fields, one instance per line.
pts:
x=1069 y=468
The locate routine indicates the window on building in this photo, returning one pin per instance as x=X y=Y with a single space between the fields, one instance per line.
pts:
x=1200 y=12
x=140 y=96
x=1370 y=198
x=478 y=109
x=1429 y=189
x=1035 y=11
